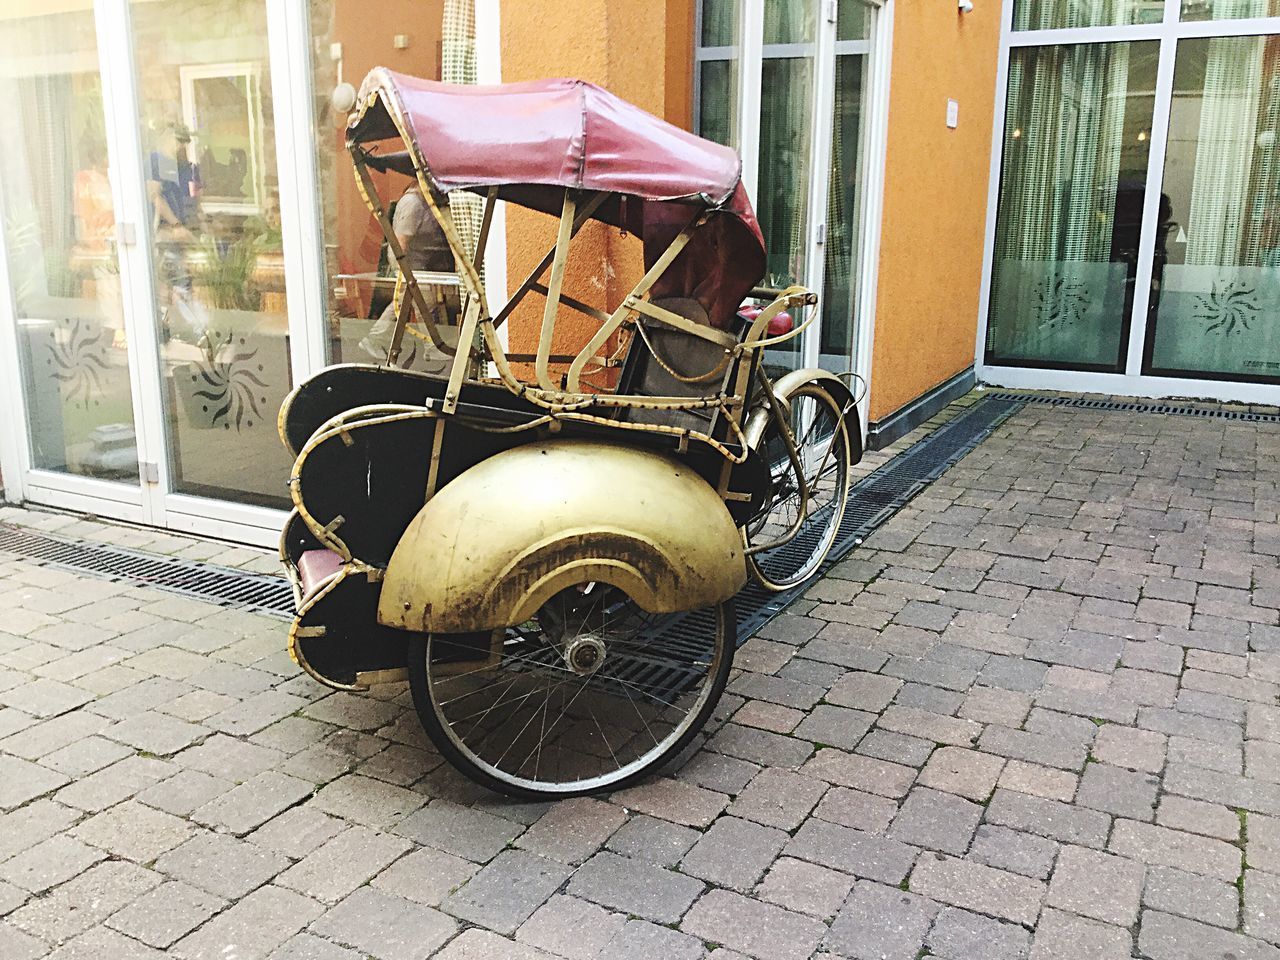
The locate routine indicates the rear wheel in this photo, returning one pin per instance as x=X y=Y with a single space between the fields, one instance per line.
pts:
x=823 y=444
x=590 y=695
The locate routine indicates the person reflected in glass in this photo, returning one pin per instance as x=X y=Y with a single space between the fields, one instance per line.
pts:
x=426 y=249
x=173 y=186
x=95 y=233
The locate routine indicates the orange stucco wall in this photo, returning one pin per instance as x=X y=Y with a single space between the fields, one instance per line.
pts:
x=935 y=200
x=642 y=50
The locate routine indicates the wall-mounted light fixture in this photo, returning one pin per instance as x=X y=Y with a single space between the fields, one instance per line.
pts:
x=966 y=6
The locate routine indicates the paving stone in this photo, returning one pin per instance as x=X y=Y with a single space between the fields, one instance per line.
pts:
x=21 y=781
x=733 y=853
x=804 y=887
x=1192 y=896
x=1035 y=748
x=571 y=928
x=768 y=716
x=1166 y=937
x=297 y=831
x=155 y=733
x=16 y=945
x=635 y=887
x=477 y=944
x=1130 y=748
x=862 y=773
x=49 y=863
x=166 y=913
x=673 y=800
x=975 y=887
x=759 y=929
x=1093 y=884
x=134 y=831
x=834 y=726
x=1125 y=793
x=184 y=792
x=29 y=825
x=778 y=798
x=642 y=940
x=852 y=851
x=103 y=942
x=936 y=821
x=1196 y=816
x=1007 y=849
x=43 y=739
x=1160 y=846
x=1261 y=905
x=222 y=865
x=228 y=758
x=386 y=927
x=573 y=830
x=929 y=726
x=881 y=922
x=44 y=698
x=717 y=772
x=961 y=935
x=505 y=892
x=896 y=748
x=965 y=772
x=652 y=840
x=1061 y=936
x=760 y=746
x=1048 y=818
x=425 y=876
x=870 y=692
x=305 y=946
x=85 y=756
x=84 y=901
x=364 y=800
x=342 y=864
x=455 y=829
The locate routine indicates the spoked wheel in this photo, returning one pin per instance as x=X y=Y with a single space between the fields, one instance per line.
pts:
x=823 y=445
x=589 y=695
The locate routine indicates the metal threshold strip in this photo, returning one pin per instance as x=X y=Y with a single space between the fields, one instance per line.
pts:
x=872 y=501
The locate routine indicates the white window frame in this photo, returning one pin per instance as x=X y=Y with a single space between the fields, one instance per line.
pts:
x=1132 y=382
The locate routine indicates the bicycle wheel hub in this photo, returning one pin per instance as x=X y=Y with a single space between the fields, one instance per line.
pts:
x=584 y=655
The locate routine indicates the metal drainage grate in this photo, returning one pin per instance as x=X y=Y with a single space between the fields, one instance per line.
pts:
x=202 y=581
x=1137 y=406
x=879 y=495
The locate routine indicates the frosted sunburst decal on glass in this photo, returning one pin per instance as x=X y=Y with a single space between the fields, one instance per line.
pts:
x=1230 y=306
x=78 y=358
x=1060 y=301
x=227 y=382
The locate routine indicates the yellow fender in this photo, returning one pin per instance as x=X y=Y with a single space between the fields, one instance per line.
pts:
x=505 y=536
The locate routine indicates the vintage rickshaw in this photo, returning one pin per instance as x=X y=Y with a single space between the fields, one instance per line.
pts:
x=548 y=545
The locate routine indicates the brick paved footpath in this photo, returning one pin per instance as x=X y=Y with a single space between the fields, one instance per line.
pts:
x=1035 y=716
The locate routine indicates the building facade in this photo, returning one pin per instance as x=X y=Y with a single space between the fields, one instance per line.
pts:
x=1066 y=194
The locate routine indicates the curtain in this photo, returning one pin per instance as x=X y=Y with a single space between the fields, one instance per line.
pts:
x=1225 y=149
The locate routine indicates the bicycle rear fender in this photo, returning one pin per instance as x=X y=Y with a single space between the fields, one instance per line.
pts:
x=506 y=535
x=787 y=384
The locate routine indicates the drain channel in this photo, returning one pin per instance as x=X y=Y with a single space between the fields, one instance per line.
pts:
x=1136 y=406
x=872 y=501
x=258 y=592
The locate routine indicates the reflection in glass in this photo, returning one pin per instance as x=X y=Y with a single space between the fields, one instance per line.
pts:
x=210 y=170
x=719 y=23
x=1059 y=14
x=786 y=94
x=60 y=234
x=1077 y=131
x=853 y=20
x=839 y=294
x=1216 y=284
x=1229 y=9
x=717 y=101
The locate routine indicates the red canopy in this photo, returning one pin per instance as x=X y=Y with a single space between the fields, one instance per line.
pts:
x=535 y=139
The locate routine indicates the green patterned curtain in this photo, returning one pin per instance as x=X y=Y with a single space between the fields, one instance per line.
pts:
x=458 y=65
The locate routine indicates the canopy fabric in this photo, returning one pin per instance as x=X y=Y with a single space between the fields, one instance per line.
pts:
x=535 y=139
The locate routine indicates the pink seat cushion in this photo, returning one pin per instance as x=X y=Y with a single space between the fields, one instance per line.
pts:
x=315 y=567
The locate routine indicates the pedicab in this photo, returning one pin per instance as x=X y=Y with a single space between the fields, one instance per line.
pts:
x=548 y=545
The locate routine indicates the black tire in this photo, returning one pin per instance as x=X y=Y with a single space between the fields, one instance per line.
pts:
x=816 y=416
x=528 y=654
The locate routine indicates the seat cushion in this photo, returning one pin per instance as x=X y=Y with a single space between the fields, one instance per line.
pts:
x=315 y=567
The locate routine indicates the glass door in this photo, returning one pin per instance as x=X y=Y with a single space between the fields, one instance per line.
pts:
x=146 y=330
x=787 y=83
x=67 y=362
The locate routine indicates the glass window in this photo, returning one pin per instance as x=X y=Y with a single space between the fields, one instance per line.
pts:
x=351 y=37
x=790 y=21
x=59 y=223
x=844 y=219
x=209 y=163
x=717 y=117
x=1076 y=141
x=1060 y=14
x=1229 y=9
x=853 y=20
x=719 y=23
x=1216 y=281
